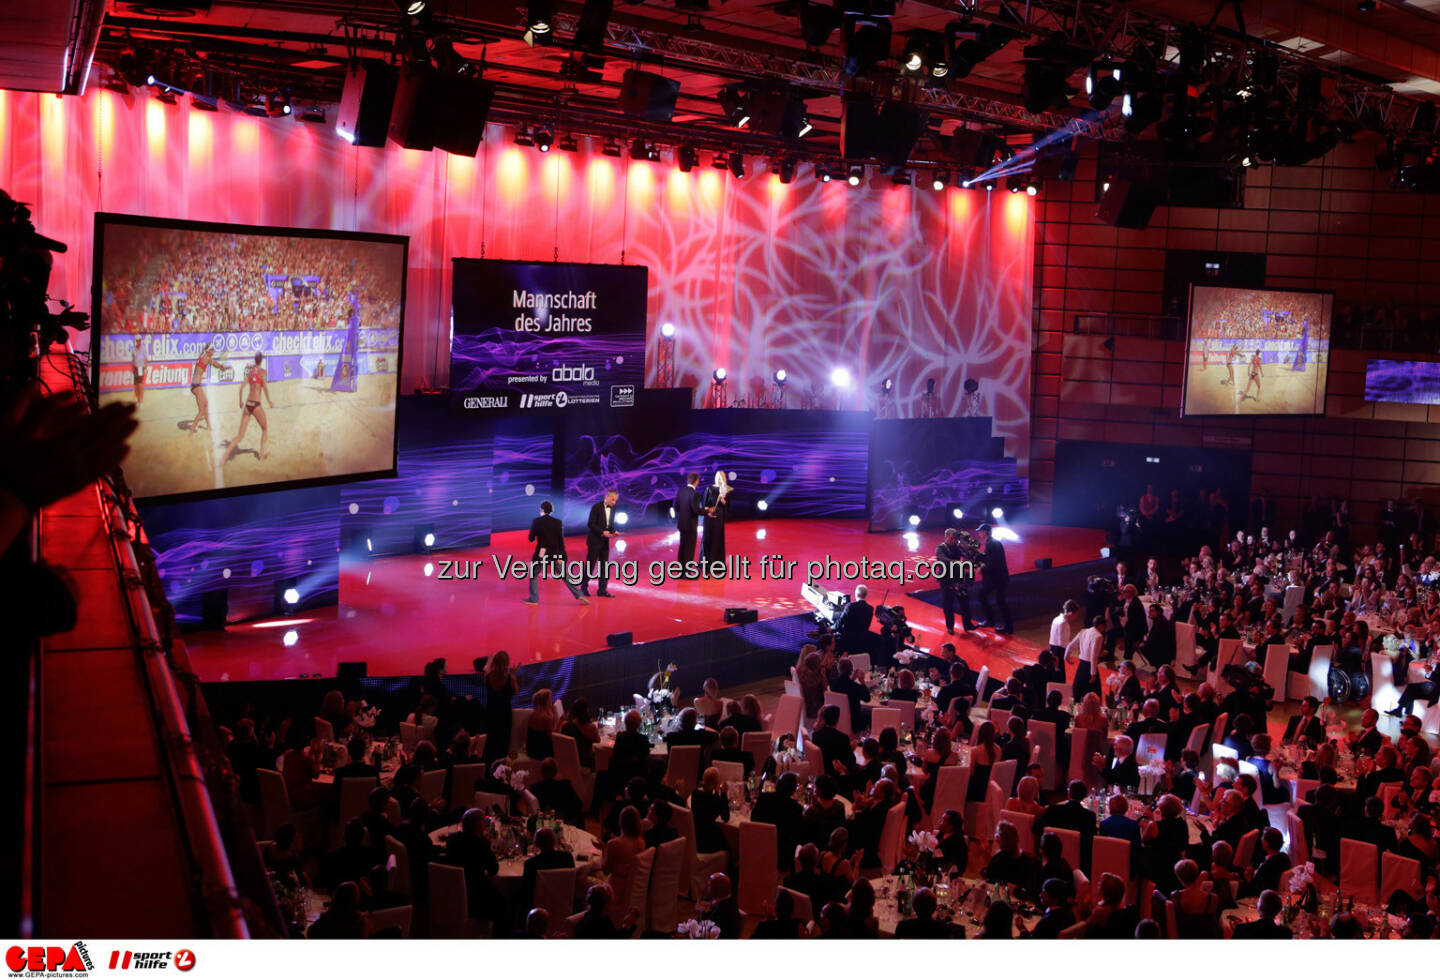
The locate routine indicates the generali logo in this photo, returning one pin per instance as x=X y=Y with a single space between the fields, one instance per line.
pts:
x=49 y=961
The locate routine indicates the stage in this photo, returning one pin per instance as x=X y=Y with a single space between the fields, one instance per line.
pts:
x=397 y=613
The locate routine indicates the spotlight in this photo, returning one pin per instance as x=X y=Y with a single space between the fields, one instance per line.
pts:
x=622 y=518
x=611 y=148
x=542 y=140
x=422 y=537
x=822 y=173
x=762 y=505
x=292 y=596
x=780 y=376
x=997 y=513
x=958 y=514
x=737 y=165
x=901 y=178
x=1032 y=187
x=686 y=157
x=913 y=56
x=429 y=540
x=287 y=595
x=805 y=127
x=941 y=181
x=1365 y=6
x=721 y=161
x=410 y=8
x=857 y=174
x=913 y=520
x=291 y=638
x=523 y=137
x=760 y=534
x=667 y=329
x=1015 y=184
x=538 y=16
x=639 y=149
x=568 y=144
x=1102 y=83
x=988 y=184
x=719 y=375
x=840 y=377
x=735 y=105
x=429 y=569
x=785 y=170
x=887 y=385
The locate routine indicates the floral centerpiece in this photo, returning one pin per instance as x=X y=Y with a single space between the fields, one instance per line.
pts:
x=925 y=844
x=697 y=929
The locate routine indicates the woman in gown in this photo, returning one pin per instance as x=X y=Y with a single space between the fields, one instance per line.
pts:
x=717 y=505
x=499 y=689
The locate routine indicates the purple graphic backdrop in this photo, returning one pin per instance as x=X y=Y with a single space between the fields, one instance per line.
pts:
x=1413 y=382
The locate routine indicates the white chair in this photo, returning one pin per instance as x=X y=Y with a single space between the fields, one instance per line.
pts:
x=804 y=910
x=981 y=817
x=1387 y=793
x=1277 y=668
x=409 y=736
x=1315 y=683
x=635 y=891
x=274 y=802
x=1196 y=742
x=1024 y=824
x=1084 y=743
x=432 y=785
x=883 y=718
x=1000 y=718
x=1151 y=750
x=463 y=778
x=397 y=863
x=788 y=714
x=907 y=715
x=1112 y=854
x=489 y=802
x=730 y=772
x=1359 y=869
x=324 y=730
x=758 y=744
x=1383 y=693
x=393 y=918
x=1042 y=736
x=1004 y=773
x=665 y=886
x=1299 y=849
x=952 y=783
x=1399 y=874
x=696 y=868
x=1184 y=649
x=814 y=758
x=1430 y=718
x=1070 y=845
x=519 y=724
x=842 y=702
x=1245 y=850
x=861 y=661
x=355 y=798
x=892 y=837
x=682 y=771
x=1294 y=597
x=792 y=689
x=477 y=746
x=555 y=892
x=1300 y=790
x=981 y=682
x=567 y=764
x=1229 y=652
x=759 y=847
x=449 y=903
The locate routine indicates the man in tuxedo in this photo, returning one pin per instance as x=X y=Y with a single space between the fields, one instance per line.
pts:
x=687 y=520
x=846 y=684
x=1371 y=828
x=853 y=630
x=1158 y=645
x=953 y=594
x=599 y=530
x=1129 y=622
x=962 y=681
x=1265 y=927
x=549 y=557
x=1119 y=767
x=1071 y=815
x=1369 y=740
x=1306 y=724
x=995 y=580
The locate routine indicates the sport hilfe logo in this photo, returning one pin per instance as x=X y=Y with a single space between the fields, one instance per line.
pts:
x=124 y=959
x=49 y=960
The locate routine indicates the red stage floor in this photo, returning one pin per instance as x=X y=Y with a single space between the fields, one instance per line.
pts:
x=396 y=613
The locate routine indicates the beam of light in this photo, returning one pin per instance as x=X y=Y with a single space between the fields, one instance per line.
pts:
x=1004 y=534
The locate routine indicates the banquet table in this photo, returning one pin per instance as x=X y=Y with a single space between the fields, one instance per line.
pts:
x=960 y=908
x=589 y=855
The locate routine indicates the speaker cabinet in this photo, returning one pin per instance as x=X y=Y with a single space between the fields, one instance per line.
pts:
x=366 y=103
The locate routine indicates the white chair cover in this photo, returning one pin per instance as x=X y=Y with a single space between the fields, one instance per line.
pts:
x=1003 y=773
x=274 y=802
x=393 y=918
x=464 y=776
x=555 y=892
x=1084 y=743
x=1196 y=742
x=1070 y=844
x=324 y=730
x=951 y=785
x=1384 y=695
x=758 y=744
x=1113 y=855
x=1000 y=718
x=788 y=714
x=397 y=860
x=804 y=911
x=1277 y=668
x=567 y=762
x=759 y=844
x=409 y=736
x=1300 y=789
x=1245 y=850
x=814 y=758
x=1184 y=649
x=1387 y=793
x=1430 y=719
x=636 y=891
x=1399 y=873
x=1359 y=869
x=1316 y=683
x=665 y=886
x=449 y=903
x=1230 y=652
x=490 y=801
x=1151 y=750
x=1042 y=737
x=432 y=785
x=980 y=818
x=1025 y=826
x=696 y=869
x=841 y=701
x=355 y=798
x=907 y=715
x=477 y=746
x=981 y=682
x=892 y=836
x=792 y=688
x=1299 y=849
x=883 y=718
x=730 y=772
x=519 y=722
x=682 y=771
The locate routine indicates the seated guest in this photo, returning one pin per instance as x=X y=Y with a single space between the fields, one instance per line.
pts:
x=1418 y=843
x=357 y=767
x=631 y=754
x=660 y=831
x=351 y=861
x=1370 y=828
x=999 y=922
x=1164 y=838
x=1321 y=820
x=860 y=911
x=1241 y=729
x=1112 y=918
x=1166 y=692
x=1232 y=823
x=810 y=675
x=377 y=893
x=1027 y=797
x=1158 y=645
x=825 y=812
x=1129 y=690
x=542 y=724
x=807 y=879
x=557 y=795
x=470 y=850
x=342 y=920
x=983 y=756
x=781 y=923
x=1387 y=770
x=1224 y=880
x=709 y=704
x=1119 y=767
x=1015 y=744
x=688 y=732
x=954 y=847
x=377 y=824
x=1053 y=864
x=1197 y=907
x=1306 y=724
x=596 y=922
x=1270 y=790
x=1273 y=863
x=1178 y=731
x=1368 y=740
x=1265 y=927
x=868 y=822
x=1011 y=699
x=548 y=857
x=1249 y=788
x=1149 y=722
x=785 y=812
x=834 y=860
x=1071 y=814
x=835 y=747
x=710 y=807
x=621 y=852
x=1091 y=714
x=580 y=725
x=922 y=924
x=1119 y=824
x=729 y=750
x=1009 y=865
x=890 y=753
x=857 y=693
x=961 y=684
x=723 y=909
x=1059 y=915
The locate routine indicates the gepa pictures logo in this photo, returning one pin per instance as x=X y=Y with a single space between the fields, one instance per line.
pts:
x=38 y=961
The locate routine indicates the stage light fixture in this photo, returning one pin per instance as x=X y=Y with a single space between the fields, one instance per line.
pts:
x=429 y=540
x=901 y=178
x=667 y=329
x=287 y=595
x=840 y=377
x=822 y=173
x=913 y=520
x=290 y=638
x=737 y=165
x=568 y=144
x=912 y=58
x=888 y=385
x=639 y=149
x=686 y=157
x=611 y=148
x=817 y=23
x=1102 y=83
x=958 y=514
x=857 y=174
x=538 y=17
x=780 y=376
x=292 y=596
x=622 y=518
x=1014 y=184
x=941 y=180
x=1032 y=187
x=719 y=375
x=721 y=161
x=524 y=138
x=866 y=42
x=785 y=170
x=806 y=126
x=735 y=104
x=988 y=184
x=542 y=140
x=997 y=513
x=762 y=505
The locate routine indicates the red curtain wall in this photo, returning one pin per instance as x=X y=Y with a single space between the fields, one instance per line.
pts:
x=898 y=282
